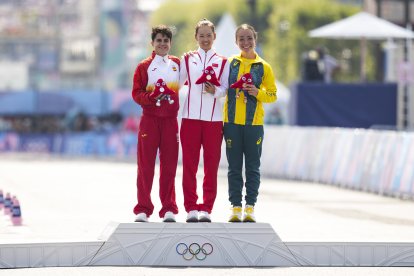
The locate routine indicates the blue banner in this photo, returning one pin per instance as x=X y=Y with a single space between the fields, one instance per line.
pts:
x=117 y=144
x=346 y=105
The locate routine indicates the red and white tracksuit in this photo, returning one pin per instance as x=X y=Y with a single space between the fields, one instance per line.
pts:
x=158 y=130
x=201 y=126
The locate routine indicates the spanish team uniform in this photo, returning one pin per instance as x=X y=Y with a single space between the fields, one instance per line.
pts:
x=158 y=130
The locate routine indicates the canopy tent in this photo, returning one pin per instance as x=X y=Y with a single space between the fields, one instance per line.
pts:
x=362 y=26
x=225 y=43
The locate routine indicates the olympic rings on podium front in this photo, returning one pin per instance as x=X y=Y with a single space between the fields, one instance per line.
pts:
x=194 y=250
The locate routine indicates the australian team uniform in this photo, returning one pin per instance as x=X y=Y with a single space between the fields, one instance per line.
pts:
x=243 y=126
x=201 y=126
x=158 y=130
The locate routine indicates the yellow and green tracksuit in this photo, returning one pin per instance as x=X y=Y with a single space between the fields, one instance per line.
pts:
x=243 y=126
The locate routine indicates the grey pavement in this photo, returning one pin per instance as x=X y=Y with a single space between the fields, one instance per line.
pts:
x=151 y=271
x=67 y=199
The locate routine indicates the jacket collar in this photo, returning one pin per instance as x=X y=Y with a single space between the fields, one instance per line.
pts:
x=257 y=59
x=158 y=58
x=207 y=54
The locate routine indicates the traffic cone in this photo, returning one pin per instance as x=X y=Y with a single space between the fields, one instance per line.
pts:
x=1 y=199
x=7 y=204
x=12 y=204
x=16 y=213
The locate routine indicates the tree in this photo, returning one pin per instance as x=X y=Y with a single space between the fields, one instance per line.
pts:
x=287 y=35
x=282 y=26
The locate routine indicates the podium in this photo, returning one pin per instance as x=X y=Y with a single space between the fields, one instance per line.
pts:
x=201 y=245
x=181 y=244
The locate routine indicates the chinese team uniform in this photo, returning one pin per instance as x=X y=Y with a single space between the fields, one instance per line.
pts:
x=201 y=126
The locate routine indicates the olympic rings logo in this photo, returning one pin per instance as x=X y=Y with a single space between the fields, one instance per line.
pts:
x=194 y=250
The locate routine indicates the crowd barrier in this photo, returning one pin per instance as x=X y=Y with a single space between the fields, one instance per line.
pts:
x=375 y=161
x=112 y=144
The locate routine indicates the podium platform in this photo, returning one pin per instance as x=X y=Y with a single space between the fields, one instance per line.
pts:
x=201 y=245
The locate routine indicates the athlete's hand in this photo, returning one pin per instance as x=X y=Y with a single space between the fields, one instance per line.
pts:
x=251 y=89
x=156 y=95
x=209 y=88
x=161 y=97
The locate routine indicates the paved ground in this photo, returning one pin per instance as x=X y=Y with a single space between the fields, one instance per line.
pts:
x=73 y=200
x=147 y=271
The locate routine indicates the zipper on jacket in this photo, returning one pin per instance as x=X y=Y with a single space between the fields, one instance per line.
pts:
x=202 y=85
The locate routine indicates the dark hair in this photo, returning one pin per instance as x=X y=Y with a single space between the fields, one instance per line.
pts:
x=205 y=22
x=247 y=27
x=161 y=29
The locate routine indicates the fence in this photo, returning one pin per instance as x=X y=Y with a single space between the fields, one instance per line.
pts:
x=376 y=161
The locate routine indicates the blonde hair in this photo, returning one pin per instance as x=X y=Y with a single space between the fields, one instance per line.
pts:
x=247 y=27
x=205 y=22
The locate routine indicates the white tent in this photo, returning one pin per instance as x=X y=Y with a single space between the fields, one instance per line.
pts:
x=362 y=26
x=225 y=43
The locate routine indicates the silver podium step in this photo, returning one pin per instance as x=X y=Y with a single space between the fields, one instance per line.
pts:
x=202 y=245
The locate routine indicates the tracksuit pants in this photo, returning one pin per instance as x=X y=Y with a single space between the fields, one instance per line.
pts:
x=243 y=140
x=194 y=135
x=157 y=134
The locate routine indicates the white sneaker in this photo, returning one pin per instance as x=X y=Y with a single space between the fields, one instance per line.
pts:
x=141 y=217
x=192 y=216
x=204 y=217
x=169 y=217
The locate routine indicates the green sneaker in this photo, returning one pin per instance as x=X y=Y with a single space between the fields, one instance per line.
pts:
x=249 y=214
x=236 y=214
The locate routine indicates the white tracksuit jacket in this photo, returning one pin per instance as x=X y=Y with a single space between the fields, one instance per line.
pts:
x=199 y=105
